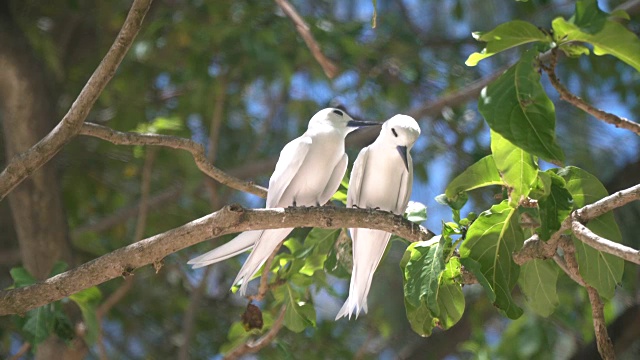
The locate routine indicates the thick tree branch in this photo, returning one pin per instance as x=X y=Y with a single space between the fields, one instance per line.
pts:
x=248 y=348
x=576 y=101
x=230 y=219
x=23 y=165
x=196 y=150
x=608 y=203
x=329 y=68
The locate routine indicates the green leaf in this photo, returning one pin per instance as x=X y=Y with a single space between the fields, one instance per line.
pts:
x=416 y=212
x=299 y=314
x=516 y=167
x=40 y=323
x=422 y=273
x=490 y=241
x=517 y=107
x=58 y=268
x=542 y=186
x=555 y=207
x=601 y=270
x=482 y=173
x=589 y=17
x=317 y=245
x=88 y=300
x=506 y=36
x=21 y=277
x=538 y=279
x=574 y=50
x=450 y=299
x=613 y=39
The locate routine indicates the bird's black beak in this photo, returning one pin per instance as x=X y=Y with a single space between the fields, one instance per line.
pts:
x=360 y=123
x=403 y=154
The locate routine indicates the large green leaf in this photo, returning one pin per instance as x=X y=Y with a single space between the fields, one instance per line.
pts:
x=516 y=167
x=589 y=17
x=482 y=173
x=490 y=241
x=422 y=273
x=517 y=107
x=450 y=304
x=555 y=207
x=613 y=39
x=601 y=270
x=538 y=280
x=21 y=277
x=506 y=36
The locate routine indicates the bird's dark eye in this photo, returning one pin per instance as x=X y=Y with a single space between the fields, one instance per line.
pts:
x=394 y=132
x=338 y=112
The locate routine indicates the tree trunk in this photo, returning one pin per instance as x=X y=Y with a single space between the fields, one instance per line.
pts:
x=27 y=114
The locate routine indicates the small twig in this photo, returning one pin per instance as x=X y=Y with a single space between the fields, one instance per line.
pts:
x=264 y=279
x=605 y=245
x=24 y=164
x=576 y=101
x=329 y=68
x=21 y=352
x=196 y=150
x=605 y=346
x=252 y=347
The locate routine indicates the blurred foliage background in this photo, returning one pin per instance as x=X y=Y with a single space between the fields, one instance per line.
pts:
x=237 y=77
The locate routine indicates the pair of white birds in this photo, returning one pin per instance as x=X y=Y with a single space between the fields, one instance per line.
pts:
x=309 y=172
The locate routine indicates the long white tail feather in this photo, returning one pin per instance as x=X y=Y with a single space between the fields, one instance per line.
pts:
x=368 y=248
x=267 y=241
x=238 y=245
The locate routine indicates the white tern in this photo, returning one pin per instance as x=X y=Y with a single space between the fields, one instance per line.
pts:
x=307 y=173
x=381 y=178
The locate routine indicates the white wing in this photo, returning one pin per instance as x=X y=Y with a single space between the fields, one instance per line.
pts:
x=357 y=175
x=334 y=181
x=291 y=158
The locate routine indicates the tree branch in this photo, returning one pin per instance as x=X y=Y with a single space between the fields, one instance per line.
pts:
x=196 y=150
x=535 y=248
x=605 y=346
x=576 y=101
x=24 y=164
x=329 y=68
x=248 y=348
x=605 y=245
x=230 y=219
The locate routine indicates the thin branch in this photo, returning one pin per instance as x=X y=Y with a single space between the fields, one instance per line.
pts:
x=196 y=150
x=264 y=279
x=563 y=265
x=608 y=203
x=24 y=164
x=467 y=93
x=576 y=101
x=230 y=219
x=605 y=245
x=605 y=346
x=534 y=247
x=329 y=68
x=248 y=348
